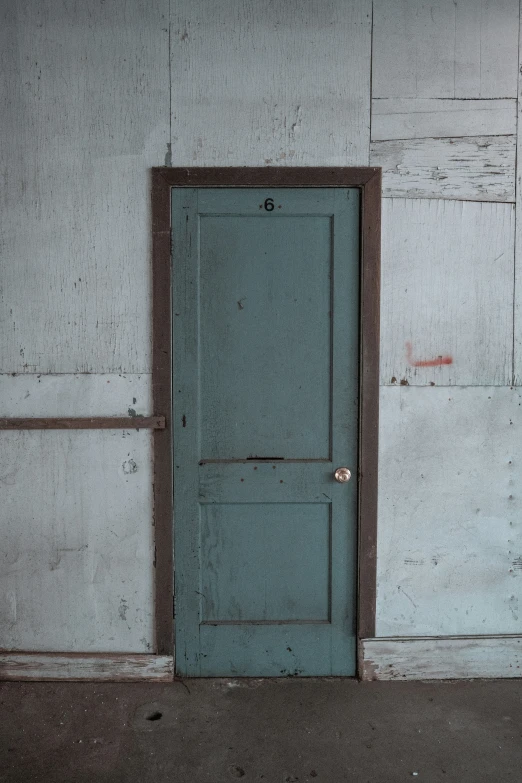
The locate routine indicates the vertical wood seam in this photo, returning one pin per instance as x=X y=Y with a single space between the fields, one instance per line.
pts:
x=517 y=197
x=371 y=90
x=169 y=156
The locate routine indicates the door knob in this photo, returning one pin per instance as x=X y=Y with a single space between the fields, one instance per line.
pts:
x=342 y=474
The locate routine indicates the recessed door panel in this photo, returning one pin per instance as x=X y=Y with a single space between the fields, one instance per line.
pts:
x=252 y=570
x=265 y=333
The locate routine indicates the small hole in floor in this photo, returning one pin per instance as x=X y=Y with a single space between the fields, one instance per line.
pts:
x=154 y=716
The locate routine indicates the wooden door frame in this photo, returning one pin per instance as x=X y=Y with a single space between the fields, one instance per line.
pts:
x=368 y=180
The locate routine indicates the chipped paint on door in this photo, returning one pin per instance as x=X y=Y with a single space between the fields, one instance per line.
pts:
x=266 y=288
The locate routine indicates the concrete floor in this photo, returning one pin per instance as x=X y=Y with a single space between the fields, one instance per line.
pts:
x=278 y=731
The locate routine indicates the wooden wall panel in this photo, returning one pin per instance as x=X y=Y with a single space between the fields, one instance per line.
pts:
x=476 y=169
x=76 y=541
x=421 y=118
x=260 y=83
x=448 y=49
x=450 y=545
x=86 y=91
x=447 y=292
x=39 y=396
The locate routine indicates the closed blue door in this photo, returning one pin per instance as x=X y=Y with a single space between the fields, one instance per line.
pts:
x=265 y=388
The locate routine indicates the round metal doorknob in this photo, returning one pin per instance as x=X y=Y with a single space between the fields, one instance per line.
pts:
x=342 y=474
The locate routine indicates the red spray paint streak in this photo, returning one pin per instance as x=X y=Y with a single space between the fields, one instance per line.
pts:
x=440 y=360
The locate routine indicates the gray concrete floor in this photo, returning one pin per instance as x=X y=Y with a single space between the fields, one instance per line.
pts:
x=277 y=731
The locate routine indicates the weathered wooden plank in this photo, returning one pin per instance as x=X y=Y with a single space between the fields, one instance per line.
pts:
x=92 y=423
x=450 y=547
x=76 y=571
x=26 y=394
x=87 y=91
x=421 y=118
x=447 y=292
x=464 y=49
x=258 y=83
x=96 y=668
x=473 y=169
x=436 y=658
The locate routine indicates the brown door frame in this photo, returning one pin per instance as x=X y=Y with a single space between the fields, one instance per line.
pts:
x=368 y=180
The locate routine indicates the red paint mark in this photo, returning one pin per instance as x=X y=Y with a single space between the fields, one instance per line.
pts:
x=426 y=362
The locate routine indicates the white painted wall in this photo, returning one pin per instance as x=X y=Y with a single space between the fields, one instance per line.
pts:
x=92 y=96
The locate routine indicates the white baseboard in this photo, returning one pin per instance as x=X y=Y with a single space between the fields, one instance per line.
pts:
x=78 y=666
x=442 y=657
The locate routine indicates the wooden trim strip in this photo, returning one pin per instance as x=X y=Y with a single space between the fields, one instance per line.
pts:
x=368 y=179
x=277 y=177
x=162 y=400
x=92 y=423
x=442 y=657
x=100 y=667
x=369 y=404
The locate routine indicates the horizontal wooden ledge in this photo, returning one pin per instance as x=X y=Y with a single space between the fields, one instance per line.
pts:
x=87 y=423
x=94 y=667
